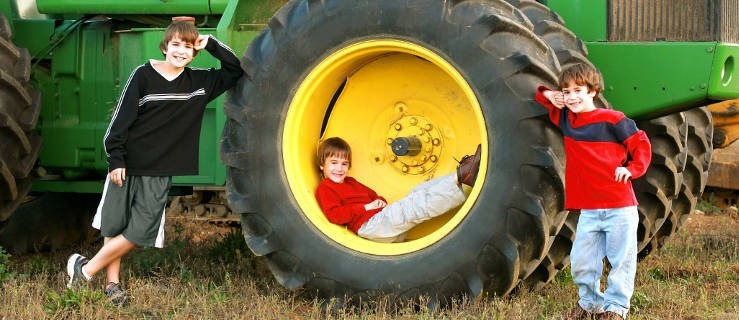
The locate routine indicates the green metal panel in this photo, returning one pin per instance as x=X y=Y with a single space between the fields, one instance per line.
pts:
x=77 y=85
x=243 y=20
x=180 y=7
x=33 y=35
x=646 y=79
x=91 y=186
x=724 y=82
x=586 y=18
x=82 y=78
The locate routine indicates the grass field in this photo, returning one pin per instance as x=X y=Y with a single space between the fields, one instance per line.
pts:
x=212 y=275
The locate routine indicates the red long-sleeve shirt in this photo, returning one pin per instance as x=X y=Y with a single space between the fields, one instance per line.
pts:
x=596 y=143
x=343 y=203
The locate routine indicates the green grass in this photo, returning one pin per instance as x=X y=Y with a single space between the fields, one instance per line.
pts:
x=707 y=204
x=695 y=276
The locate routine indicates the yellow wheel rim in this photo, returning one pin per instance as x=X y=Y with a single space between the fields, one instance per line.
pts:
x=371 y=94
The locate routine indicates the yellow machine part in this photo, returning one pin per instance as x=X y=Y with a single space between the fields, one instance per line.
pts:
x=725 y=122
x=724 y=170
x=370 y=94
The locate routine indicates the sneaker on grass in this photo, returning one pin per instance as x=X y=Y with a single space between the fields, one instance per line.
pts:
x=74 y=270
x=116 y=294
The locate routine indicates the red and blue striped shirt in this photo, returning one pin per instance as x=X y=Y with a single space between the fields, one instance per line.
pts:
x=596 y=143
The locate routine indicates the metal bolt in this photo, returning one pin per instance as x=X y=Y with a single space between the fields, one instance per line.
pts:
x=436 y=141
x=414 y=121
x=389 y=141
x=434 y=158
x=405 y=168
x=428 y=127
x=398 y=127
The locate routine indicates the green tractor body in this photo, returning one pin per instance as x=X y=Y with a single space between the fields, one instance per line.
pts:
x=309 y=64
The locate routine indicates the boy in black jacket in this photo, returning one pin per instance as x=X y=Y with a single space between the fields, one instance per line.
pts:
x=153 y=135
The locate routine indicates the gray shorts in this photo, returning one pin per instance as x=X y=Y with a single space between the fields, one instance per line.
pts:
x=135 y=210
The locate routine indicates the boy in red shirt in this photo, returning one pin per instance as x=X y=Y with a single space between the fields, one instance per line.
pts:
x=604 y=151
x=345 y=201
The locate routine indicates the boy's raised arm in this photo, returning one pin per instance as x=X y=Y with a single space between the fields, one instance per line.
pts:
x=230 y=71
x=541 y=98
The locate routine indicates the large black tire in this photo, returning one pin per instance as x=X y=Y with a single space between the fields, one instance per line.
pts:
x=696 y=134
x=657 y=190
x=507 y=227
x=569 y=50
x=19 y=108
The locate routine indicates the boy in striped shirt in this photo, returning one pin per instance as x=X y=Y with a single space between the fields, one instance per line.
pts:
x=604 y=151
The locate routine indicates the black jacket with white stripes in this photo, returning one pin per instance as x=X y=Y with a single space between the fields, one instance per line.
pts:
x=155 y=130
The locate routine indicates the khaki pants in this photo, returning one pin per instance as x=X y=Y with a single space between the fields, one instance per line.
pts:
x=427 y=200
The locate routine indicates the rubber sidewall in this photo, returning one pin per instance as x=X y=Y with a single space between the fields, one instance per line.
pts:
x=504 y=235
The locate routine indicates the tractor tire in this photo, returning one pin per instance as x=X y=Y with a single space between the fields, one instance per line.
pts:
x=364 y=70
x=696 y=137
x=659 y=188
x=19 y=108
x=569 y=50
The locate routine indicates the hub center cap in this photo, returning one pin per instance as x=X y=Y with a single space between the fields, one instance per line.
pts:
x=413 y=145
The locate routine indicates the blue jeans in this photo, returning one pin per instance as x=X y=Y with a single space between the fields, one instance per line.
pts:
x=610 y=233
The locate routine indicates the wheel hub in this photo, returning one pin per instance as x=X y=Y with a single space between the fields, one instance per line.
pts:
x=414 y=143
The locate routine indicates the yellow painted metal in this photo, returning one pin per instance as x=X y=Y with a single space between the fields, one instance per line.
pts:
x=725 y=116
x=385 y=83
x=724 y=170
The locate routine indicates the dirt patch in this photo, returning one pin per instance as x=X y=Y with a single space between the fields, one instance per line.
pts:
x=715 y=232
x=700 y=223
x=198 y=231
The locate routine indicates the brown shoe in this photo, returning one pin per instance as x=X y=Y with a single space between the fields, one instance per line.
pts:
x=468 y=167
x=610 y=315
x=578 y=313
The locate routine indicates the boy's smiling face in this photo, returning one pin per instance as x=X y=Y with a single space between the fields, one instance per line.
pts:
x=179 y=53
x=335 y=168
x=578 y=99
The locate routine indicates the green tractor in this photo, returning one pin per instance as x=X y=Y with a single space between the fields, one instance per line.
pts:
x=449 y=74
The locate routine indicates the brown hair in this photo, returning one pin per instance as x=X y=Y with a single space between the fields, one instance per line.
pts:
x=582 y=74
x=184 y=30
x=334 y=146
